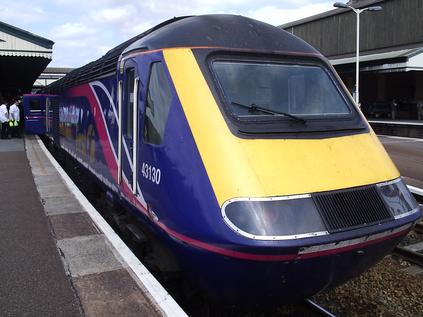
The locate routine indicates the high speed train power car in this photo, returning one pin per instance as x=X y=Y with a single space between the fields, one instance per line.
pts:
x=238 y=146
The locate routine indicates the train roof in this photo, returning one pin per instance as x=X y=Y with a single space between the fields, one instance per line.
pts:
x=219 y=30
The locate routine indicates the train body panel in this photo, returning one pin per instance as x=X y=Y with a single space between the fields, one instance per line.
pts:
x=233 y=280
x=296 y=166
x=279 y=205
x=81 y=132
x=89 y=132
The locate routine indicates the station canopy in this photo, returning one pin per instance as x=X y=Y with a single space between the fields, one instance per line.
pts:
x=23 y=57
x=404 y=60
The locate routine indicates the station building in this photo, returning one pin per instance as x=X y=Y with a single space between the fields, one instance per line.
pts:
x=23 y=57
x=49 y=76
x=391 y=52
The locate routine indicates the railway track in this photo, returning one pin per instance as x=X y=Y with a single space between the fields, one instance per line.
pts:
x=413 y=252
x=317 y=309
x=419 y=228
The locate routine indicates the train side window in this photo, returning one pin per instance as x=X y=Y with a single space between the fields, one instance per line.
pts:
x=34 y=105
x=157 y=106
x=129 y=112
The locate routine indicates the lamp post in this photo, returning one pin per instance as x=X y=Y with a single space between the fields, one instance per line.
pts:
x=357 y=62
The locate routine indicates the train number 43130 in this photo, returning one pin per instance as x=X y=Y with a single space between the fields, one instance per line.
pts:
x=151 y=173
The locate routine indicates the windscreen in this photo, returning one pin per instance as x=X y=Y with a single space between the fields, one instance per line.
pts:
x=254 y=89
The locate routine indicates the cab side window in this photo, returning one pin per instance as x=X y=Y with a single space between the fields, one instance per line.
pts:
x=129 y=113
x=34 y=105
x=157 y=106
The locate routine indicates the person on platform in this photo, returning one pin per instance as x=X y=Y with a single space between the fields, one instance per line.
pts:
x=4 y=120
x=420 y=110
x=14 y=119
x=394 y=109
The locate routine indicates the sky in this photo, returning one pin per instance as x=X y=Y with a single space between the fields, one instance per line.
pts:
x=85 y=30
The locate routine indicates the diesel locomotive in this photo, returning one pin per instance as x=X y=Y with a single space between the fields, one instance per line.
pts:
x=238 y=146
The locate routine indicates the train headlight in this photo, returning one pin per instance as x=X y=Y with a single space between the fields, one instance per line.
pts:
x=398 y=198
x=277 y=218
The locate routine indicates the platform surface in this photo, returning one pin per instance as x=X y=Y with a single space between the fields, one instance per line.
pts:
x=397 y=122
x=54 y=260
x=407 y=154
x=33 y=281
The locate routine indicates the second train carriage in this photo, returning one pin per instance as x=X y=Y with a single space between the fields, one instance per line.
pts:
x=236 y=143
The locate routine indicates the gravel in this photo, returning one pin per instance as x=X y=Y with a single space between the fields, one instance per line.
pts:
x=387 y=289
x=412 y=237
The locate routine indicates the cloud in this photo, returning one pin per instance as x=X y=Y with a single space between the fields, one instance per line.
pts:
x=17 y=13
x=139 y=28
x=102 y=49
x=72 y=30
x=113 y=15
x=94 y=27
x=278 y=16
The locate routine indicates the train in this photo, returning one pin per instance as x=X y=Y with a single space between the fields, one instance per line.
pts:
x=236 y=144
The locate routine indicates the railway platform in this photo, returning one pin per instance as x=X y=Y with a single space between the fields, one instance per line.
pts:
x=407 y=154
x=402 y=128
x=58 y=256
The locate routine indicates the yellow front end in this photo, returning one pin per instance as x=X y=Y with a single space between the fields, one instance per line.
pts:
x=270 y=167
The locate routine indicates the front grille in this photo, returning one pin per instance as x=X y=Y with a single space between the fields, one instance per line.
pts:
x=346 y=209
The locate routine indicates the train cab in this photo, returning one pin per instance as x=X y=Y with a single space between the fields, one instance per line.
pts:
x=38 y=113
x=237 y=146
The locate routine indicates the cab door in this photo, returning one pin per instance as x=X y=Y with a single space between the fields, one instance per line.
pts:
x=128 y=126
x=34 y=114
x=48 y=112
x=155 y=106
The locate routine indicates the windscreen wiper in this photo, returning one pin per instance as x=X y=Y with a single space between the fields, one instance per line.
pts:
x=254 y=108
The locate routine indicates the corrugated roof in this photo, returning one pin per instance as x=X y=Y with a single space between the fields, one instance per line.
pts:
x=379 y=56
x=28 y=36
x=361 y=4
x=58 y=70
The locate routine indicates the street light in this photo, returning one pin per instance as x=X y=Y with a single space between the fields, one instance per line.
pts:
x=357 y=62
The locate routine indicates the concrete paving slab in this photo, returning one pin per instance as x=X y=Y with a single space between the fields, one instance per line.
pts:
x=72 y=225
x=112 y=294
x=38 y=161
x=48 y=179
x=45 y=171
x=37 y=167
x=88 y=255
x=61 y=205
x=53 y=190
x=11 y=145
